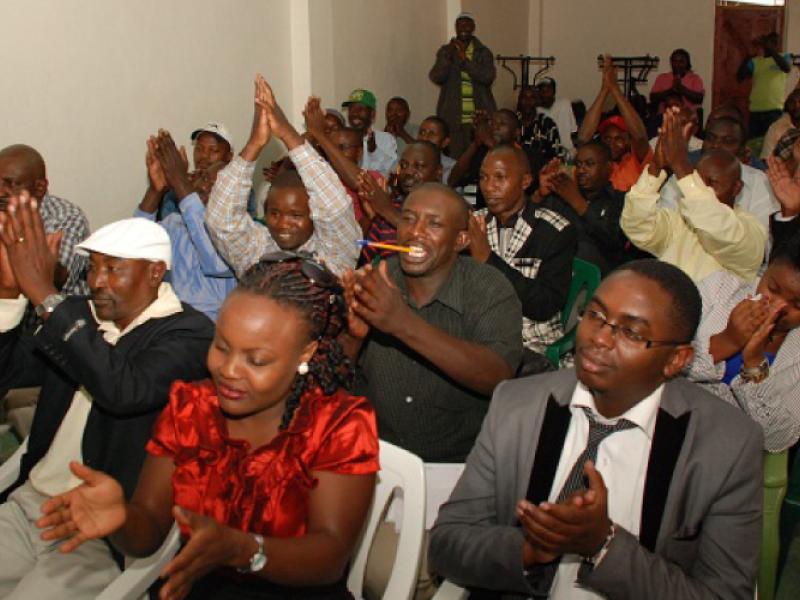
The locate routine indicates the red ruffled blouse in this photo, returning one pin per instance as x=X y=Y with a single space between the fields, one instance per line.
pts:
x=263 y=490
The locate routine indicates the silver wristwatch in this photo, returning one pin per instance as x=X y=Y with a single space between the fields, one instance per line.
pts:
x=259 y=560
x=49 y=304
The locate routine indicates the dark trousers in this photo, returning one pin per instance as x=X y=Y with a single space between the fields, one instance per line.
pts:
x=761 y=120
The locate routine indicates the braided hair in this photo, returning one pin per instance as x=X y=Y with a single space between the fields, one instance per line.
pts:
x=325 y=312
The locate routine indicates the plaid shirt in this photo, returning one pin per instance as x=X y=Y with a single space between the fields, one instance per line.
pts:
x=62 y=215
x=535 y=253
x=242 y=242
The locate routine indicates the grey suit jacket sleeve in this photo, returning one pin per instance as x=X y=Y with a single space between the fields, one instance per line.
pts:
x=468 y=546
x=722 y=549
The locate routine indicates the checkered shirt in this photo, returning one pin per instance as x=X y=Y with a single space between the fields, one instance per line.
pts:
x=62 y=215
x=242 y=242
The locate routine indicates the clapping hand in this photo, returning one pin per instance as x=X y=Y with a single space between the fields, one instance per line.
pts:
x=483 y=128
x=30 y=251
x=356 y=326
x=174 y=164
x=479 y=247
x=785 y=185
x=158 y=181
x=579 y=525
x=315 y=118
x=210 y=546
x=550 y=170
x=674 y=139
x=93 y=510
x=378 y=301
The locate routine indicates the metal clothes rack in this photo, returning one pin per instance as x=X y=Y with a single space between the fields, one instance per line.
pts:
x=546 y=62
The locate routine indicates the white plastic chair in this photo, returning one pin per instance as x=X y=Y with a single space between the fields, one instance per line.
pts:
x=450 y=591
x=140 y=574
x=9 y=470
x=401 y=472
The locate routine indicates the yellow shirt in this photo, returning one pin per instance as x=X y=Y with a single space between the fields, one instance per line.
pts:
x=701 y=237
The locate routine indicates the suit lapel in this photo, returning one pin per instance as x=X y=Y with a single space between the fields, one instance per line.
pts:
x=668 y=437
x=548 y=451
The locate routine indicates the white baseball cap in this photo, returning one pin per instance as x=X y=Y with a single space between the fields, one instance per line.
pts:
x=134 y=238
x=214 y=128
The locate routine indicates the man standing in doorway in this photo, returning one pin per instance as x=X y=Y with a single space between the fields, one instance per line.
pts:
x=465 y=71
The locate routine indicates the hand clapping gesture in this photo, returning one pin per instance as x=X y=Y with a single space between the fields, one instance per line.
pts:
x=579 y=525
x=377 y=300
x=29 y=251
x=479 y=247
x=785 y=185
x=93 y=510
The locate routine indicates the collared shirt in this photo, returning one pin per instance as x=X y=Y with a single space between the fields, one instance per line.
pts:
x=242 y=242
x=51 y=475
x=701 y=237
x=384 y=155
x=59 y=214
x=418 y=407
x=775 y=402
x=622 y=460
x=756 y=196
x=535 y=254
x=198 y=275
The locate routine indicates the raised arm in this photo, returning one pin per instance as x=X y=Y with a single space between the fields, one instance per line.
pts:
x=240 y=240
x=592 y=118
x=347 y=170
x=638 y=132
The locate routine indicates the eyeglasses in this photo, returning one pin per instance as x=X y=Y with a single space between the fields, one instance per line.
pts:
x=317 y=274
x=625 y=334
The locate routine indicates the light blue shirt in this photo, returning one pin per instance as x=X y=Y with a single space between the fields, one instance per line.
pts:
x=199 y=276
x=384 y=156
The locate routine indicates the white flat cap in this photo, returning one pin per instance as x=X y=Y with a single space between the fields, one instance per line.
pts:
x=135 y=238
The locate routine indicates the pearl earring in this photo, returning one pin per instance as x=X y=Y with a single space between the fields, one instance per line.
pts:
x=302 y=368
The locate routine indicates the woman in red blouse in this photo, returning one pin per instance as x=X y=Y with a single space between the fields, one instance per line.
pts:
x=268 y=468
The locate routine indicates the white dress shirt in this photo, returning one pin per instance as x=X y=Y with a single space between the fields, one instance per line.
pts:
x=383 y=157
x=622 y=460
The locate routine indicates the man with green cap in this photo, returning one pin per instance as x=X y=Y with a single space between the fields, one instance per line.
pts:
x=465 y=71
x=380 y=148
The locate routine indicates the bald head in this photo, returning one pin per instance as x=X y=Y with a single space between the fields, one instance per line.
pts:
x=22 y=168
x=722 y=171
x=454 y=202
x=513 y=153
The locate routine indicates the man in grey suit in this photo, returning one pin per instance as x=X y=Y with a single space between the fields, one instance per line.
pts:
x=673 y=507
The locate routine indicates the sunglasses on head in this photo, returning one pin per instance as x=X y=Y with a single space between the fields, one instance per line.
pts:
x=311 y=269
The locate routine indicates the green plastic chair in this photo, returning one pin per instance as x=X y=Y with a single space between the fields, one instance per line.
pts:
x=586 y=278
x=790 y=514
x=775 y=485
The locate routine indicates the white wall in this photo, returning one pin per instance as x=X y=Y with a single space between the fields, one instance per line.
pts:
x=503 y=26
x=86 y=81
x=575 y=32
x=386 y=47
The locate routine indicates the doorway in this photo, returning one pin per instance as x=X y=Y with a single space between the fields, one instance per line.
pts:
x=735 y=25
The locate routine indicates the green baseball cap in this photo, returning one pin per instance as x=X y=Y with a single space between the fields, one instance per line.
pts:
x=364 y=97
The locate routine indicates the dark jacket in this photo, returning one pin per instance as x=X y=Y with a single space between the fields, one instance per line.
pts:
x=447 y=74
x=128 y=383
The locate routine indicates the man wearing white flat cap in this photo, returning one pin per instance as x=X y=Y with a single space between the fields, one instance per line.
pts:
x=105 y=365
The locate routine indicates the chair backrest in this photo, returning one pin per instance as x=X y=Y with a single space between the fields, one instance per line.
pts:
x=9 y=470
x=586 y=278
x=403 y=473
x=775 y=482
x=140 y=574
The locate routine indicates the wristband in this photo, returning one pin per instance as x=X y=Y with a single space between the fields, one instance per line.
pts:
x=755 y=374
x=598 y=556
